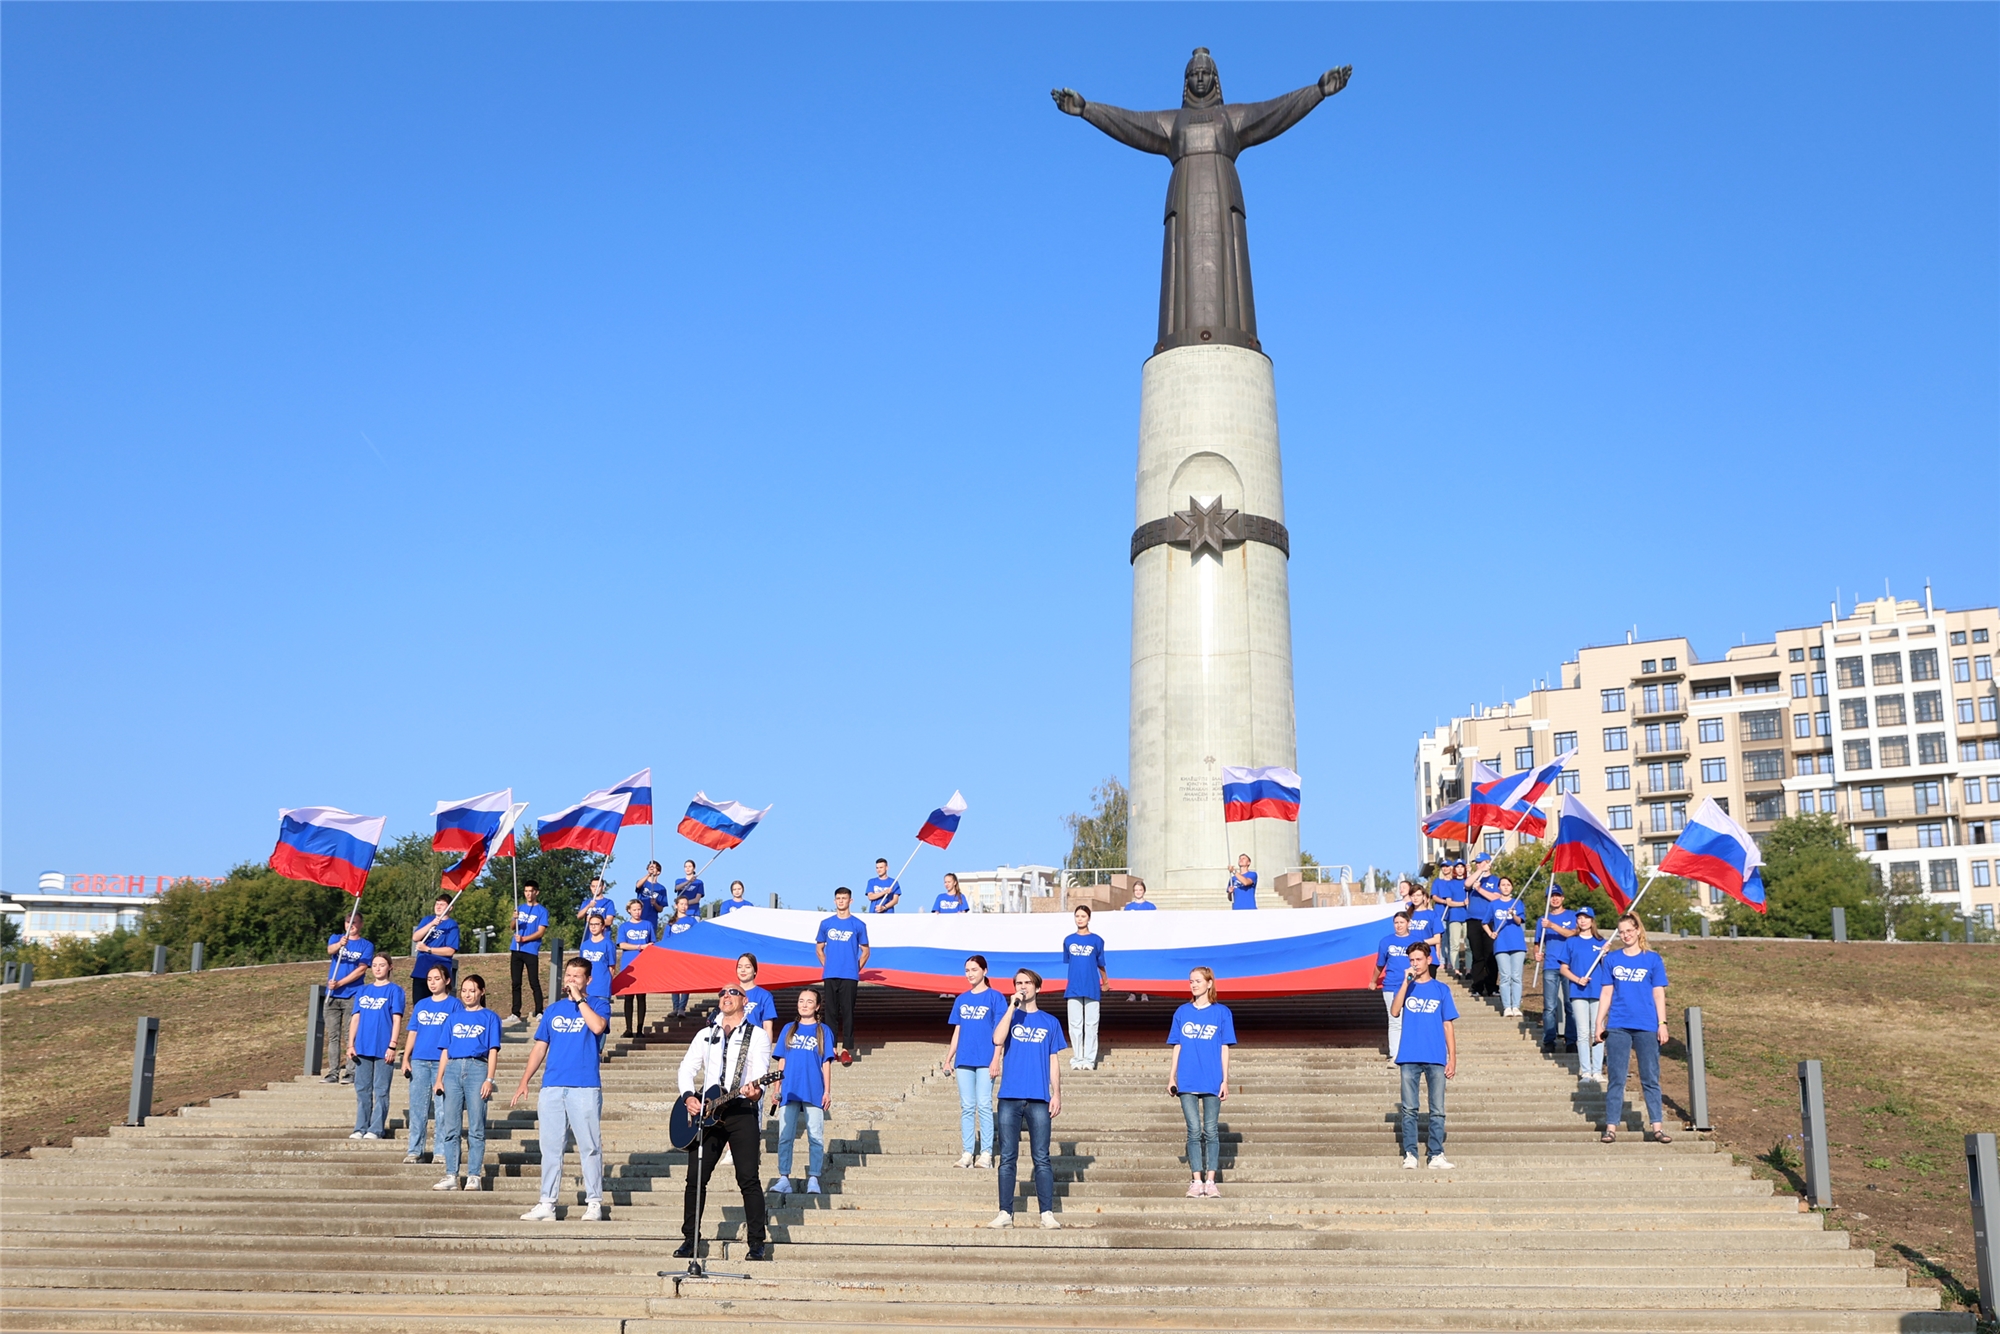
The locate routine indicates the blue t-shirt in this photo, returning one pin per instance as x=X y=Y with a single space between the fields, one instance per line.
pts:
x=1084 y=954
x=527 y=918
x=1578 y=953
x=1448 y=898
x=974 y=1014
x=429 y=1026
x=1508 y=914
x=805 y=1048
x=1024 y=1072
x=1140 y=905
x=632 y=938
x=654 y=899
x=1243 y=890
x=572 y=1059
x=1201 y=1033
x=843 y=938
x=1389 y=957
x=353 y=954
x=1552 y=941
x=887 y=903
x=1426 y=1008
x=759 y=1005
x=1632 y=978
x=374 y=1004
x=442 y=934
x=728 y=906
x=602 y=957
x=679 y=926
x=603 y=906
x=1425 y=923
x=690 y=890
x=472 y=1033
x=1479 y=908
x=948 y=903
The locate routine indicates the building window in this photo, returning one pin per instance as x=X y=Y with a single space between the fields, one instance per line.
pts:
x=1854 y=714
x=1763 y=725
x=1923 y=664
x=1711 y=690
x=1906 y=877
x=1930 y=835
x=1657 y=811
x=1888 y=668
x=1929 y=796
x=1766 y=685
x=1669 y=664
x=1972 y=792
x=1944 y=874
x=1989 y=709
x=1802 y=724
x=1646 y=666
x=1805 y=803
x=1961 y=669
x=1651 y=696
x=1986 y=916
x=1874 y=800
x=1618 y=817
x=1796 y=655
x=1855 y=755
x=1524 y=757
x=1618 y=778
x=1679 y=812
x=1889 y=711
x=1981 y=878
x=1614 y=738
x=1930 y=706
x=1958 y=637
x=1565 y=743
x=1989 y=750
x=1494 y=842
x=1798 y=685
x=1931 y=748
x=1671 y=693
x=1848 y=672
x=1818 y=653
x=1763 y=766
x=1968 y=750
x=1715 y=771
x=1826 y=802
x=1965 y=711
x=1822 y=723
x=1982 y=668
x=1614 y=700
x=1677 y=776
x=1993 y=789
x=1894 y=752
x=1569 y=780
x=1819 y=683
x=1711 y=729
x=1674 y=737
x=1875 y=838
x=1979 y=636
x=1764 y=805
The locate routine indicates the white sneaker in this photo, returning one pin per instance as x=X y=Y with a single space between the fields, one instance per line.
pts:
x=511 y=1021
x=355 y=1135
x=1144 y=998
x=545 y=1212
x=782 y=1186
x=449 y=1183
x=413 y=1157
x=1002 y=1219
x=593 y=1211
x=474 y=1183
x=371 y=1135
x=1440 y=1164
x=964 y=1160
x=1049 y=1220
x=984 y=1160
x=1410 y=1163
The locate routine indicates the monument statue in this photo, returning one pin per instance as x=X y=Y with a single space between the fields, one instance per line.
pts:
x=1211 y=597
x=1205 y=293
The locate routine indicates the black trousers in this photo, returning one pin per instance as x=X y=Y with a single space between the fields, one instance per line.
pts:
x=1485 y=977
x=840 y=998
x=519 y=962
x=737 y=1128
x=633 y=1003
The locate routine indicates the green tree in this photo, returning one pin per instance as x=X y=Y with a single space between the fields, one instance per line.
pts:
x=1810 y=869
x=1905 y=907
x=254 y=915
x=1097 y=840
x=562 y=874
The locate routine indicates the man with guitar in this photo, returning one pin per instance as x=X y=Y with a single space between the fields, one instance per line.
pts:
x=721 y=1079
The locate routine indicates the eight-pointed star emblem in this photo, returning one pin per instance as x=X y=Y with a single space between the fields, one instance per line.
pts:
x=1207 y=526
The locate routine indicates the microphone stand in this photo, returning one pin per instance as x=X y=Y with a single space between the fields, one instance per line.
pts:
x=696 y=1269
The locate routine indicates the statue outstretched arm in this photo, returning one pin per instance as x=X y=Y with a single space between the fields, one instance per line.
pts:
x=1147 y=131
x=1261 y=122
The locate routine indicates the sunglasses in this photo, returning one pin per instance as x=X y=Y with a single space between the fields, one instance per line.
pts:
x=730 y=991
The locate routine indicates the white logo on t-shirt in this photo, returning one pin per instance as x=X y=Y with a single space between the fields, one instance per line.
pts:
x=467 y=1030
x=432 y=1018
x=969 y=1011
x=1421 y=1004
x=1080 y=950
x=804 y=1042
x=1203 y=1032
x=566 y=1023
x=1628 y=973
x=1030 y=1033
x=372 y=1002
x=835 y=933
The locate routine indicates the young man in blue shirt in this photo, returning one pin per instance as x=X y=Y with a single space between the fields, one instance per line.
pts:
x=599 y=902
x=1028 y=1088
x=1556 y=926
x=531 y=924
x=1083 y=956
x=1391 y=963
x=1482 y=896
x=842 y=944
x=348 y=956
x=1242 y=891
x=571 y=1101
x=1427 y=1053
x=436 y=941
x=883 y=893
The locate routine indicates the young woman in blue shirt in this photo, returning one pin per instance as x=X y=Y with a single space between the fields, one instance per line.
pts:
x=430 y=1025
x=1201 y=1035
x=465 y=1078
x=371 y=1044
x=1510 y=945
x=968 y=1056
x=805 y=1053
x=634 y=934
x=1575 y=957
x=1632 y=1019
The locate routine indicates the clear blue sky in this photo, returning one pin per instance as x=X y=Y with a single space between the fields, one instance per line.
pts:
x=403 y=402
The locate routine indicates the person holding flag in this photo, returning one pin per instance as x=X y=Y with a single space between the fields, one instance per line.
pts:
x=531 y=924
x=436 y=942
x=883 y=891
x=689 y=890
x=1241 y=892
x=347 y=968
x=599 y=903
x=654 y=897
x=328 y=846
x=1552 y=933
x=1448 y=897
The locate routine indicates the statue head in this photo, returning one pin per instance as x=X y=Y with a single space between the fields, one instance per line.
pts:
x=1201 y=86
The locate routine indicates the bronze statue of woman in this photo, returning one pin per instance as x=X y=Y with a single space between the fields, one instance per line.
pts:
x=1205 y=294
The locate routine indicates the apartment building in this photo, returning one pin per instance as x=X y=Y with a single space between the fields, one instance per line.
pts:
x=1888 y=717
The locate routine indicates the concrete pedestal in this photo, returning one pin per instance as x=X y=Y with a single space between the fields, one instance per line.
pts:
x=1211 y=636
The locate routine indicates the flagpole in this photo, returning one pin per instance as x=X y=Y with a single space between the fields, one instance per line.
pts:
x=1651 y=876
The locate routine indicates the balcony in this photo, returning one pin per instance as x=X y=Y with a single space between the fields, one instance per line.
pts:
x=1774 y=811
x=1676 y=708
x=1666 y=746
x=1900 y=808
x=1666 y=787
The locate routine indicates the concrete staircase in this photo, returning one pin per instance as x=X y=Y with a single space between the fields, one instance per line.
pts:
x=258 y=1214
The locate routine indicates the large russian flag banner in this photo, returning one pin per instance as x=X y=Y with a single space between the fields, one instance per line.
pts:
x=1584 y=846
x=1276 y=954
x=939 y=830
x=718 y=824
x=640 y=788
x=1715 y=850
x=589 y=826
x=1270 y=793
x=327 y=846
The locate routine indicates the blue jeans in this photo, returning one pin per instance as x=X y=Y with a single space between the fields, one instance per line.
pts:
x=1510 y=978
x=1589 y=1051
x=1619 y=1044
x=462 y=1079
x=568 y=1110
x=1204 y=1137
x=423 y=1078
x=788 y=1130
x=1012 y=1112
x=1555 y=1007
x=975 y=1108
x=1423 y=1072
x=373 y=1078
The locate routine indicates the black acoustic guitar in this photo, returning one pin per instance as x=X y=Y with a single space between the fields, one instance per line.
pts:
x=682 y=1127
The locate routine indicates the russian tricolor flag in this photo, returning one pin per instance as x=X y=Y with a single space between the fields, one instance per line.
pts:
x=718 y=824
x=1717 y=851
x=1508 y=803
x=1585 y=846
x=1259 y=794
x=514 y=814
x=589 y=826
x=472 y=823
x=943 y=823
x=640 y=788
x=327 y=846
x=1447 y=823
